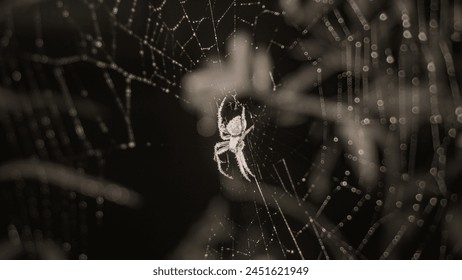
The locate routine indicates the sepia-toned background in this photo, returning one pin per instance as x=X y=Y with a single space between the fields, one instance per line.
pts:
x=110 y=110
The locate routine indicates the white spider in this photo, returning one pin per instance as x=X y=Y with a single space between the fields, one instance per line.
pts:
x=233 y=134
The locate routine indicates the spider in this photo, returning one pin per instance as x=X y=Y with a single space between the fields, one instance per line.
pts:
x=233 y=134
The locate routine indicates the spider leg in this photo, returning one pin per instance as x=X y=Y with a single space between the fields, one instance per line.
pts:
x=221 y=127
x=246 y=132
x=223 y=133
x=220 y=108
x=243 y=120
x=220 y=148
x=246 y=167
x=242 y=163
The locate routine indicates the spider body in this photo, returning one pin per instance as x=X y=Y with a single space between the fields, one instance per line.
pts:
x=234 y=134
x=234 y=128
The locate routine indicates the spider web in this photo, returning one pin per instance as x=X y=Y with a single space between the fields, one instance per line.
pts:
x=355 y=106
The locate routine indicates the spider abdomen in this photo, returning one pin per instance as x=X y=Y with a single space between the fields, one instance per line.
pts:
x=234 y=126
